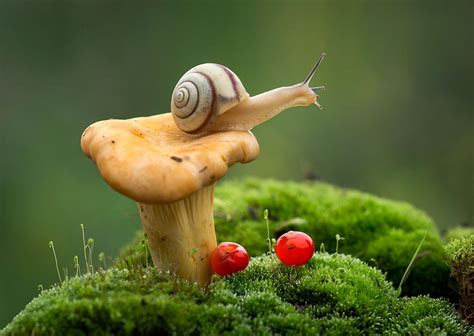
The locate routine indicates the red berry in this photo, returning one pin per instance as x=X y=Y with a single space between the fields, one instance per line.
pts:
x=294 y=248
x=228 y=258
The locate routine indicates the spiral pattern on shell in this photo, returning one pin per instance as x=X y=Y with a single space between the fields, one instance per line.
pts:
x=202 y=94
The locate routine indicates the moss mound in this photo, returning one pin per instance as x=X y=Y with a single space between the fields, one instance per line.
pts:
x=383 y=232
x=331 y=295
x=460 y=254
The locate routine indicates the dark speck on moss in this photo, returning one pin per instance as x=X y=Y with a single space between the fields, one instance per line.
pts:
x=252 y=212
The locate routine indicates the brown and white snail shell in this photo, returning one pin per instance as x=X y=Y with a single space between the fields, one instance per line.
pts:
x=202 y=94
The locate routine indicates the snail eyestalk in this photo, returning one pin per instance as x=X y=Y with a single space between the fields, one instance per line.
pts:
x=318 y=105
x=318 y=88
x=313 y=69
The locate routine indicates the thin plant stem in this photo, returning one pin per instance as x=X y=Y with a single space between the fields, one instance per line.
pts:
x=91 y=267
x=77 y=266
x=269 y=241
x=338 y=237
x=84 y=247
x=405 y=275
x=51 y=246
x=90 y=244
x=322 y=249
x=102 y=259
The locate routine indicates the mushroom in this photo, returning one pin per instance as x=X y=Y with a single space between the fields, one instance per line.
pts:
x=171 y=173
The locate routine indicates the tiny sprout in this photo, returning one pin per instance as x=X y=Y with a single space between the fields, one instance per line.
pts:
x=322 y=249
x=84 y=247
x=273 y=244
x=102 y=259
x=51 y=246
x=90 y=245
x=269 y=240
x=76 y=265
x=91 y=266
x=40 y=288
x=338 y=237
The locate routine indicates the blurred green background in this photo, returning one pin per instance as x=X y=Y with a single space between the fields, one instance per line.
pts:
x=398 y=118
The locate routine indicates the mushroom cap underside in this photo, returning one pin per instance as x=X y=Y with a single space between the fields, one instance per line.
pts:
x=151 y=160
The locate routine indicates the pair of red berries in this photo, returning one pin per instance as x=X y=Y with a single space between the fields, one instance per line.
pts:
x=293 y=248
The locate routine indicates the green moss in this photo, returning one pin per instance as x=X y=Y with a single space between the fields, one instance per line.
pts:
x=460 y=253
x=425 y=316
x=376 y=230
x=459 y=232
x=331 y=295
x=429 y=269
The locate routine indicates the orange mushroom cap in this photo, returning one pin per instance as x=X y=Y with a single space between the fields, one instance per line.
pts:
x=151 y=160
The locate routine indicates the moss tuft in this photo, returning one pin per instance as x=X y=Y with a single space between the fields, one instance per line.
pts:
x=460 y=254
x=425 y=316
x=459 y=232
x=331 y=295
x=383 y=232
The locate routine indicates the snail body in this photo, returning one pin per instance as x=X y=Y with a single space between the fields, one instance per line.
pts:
x=210 y=97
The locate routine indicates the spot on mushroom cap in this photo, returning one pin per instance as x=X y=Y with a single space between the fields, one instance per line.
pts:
x=151 y=161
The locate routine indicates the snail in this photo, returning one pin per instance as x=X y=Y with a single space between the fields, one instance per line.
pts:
x=210 y=97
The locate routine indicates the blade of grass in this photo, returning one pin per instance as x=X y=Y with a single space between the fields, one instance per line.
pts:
x=405 y=275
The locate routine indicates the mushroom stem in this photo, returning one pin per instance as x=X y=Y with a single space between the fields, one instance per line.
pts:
x=181 y=235
x=258 y=109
